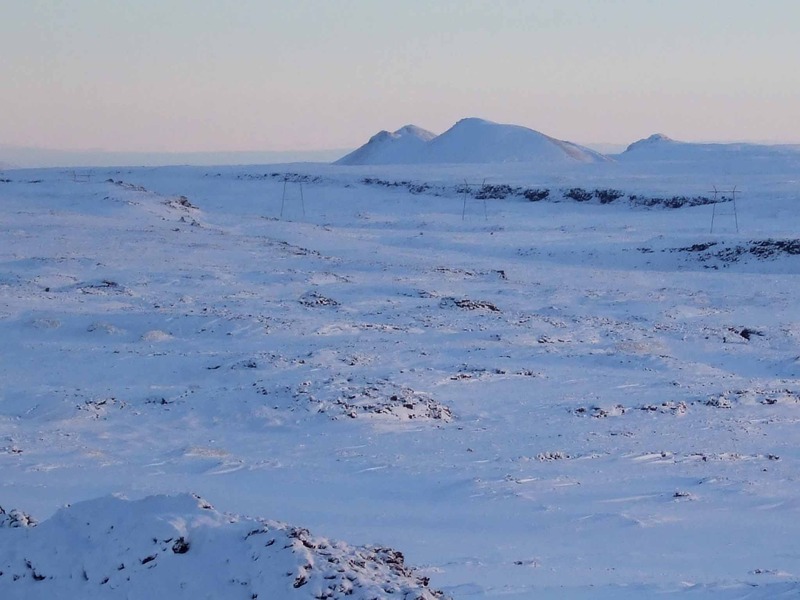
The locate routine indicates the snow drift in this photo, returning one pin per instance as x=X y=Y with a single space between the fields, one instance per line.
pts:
x=470 y=141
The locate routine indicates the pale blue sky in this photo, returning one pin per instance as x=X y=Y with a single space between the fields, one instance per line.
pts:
x=201 y=75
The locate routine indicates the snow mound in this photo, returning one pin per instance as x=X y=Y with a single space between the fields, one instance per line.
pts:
x=470 y=141
x=15 y=518
x=389 y=148
x=180 y=547
x=380 y=400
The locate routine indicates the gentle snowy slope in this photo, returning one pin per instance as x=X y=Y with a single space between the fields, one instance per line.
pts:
x=470 y=141
x=582 y=396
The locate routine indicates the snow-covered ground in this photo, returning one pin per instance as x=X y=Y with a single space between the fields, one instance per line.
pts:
x=549 y=399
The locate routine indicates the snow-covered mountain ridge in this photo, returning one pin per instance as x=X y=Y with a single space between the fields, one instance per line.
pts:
x=478 y=141
x=660 y=147
x=470 y=141
x=390 y=147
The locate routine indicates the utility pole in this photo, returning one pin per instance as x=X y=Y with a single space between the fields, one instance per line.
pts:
x=732 y=192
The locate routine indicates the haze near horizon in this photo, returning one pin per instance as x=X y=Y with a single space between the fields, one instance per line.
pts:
x=202 y=76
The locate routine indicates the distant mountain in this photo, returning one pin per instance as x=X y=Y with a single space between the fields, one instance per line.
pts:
x=470 y=141
x=660 y=147
x=399 y=147
x=657 y=140
x=480 y=141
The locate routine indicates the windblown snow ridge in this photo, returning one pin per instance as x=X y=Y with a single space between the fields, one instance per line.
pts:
x=180 y=547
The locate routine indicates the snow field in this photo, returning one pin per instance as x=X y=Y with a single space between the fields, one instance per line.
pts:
x=557 y=399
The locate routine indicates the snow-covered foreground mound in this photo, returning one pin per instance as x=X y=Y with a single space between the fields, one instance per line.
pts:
x=181 y=548
x=470 y=141
x=569 y=395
